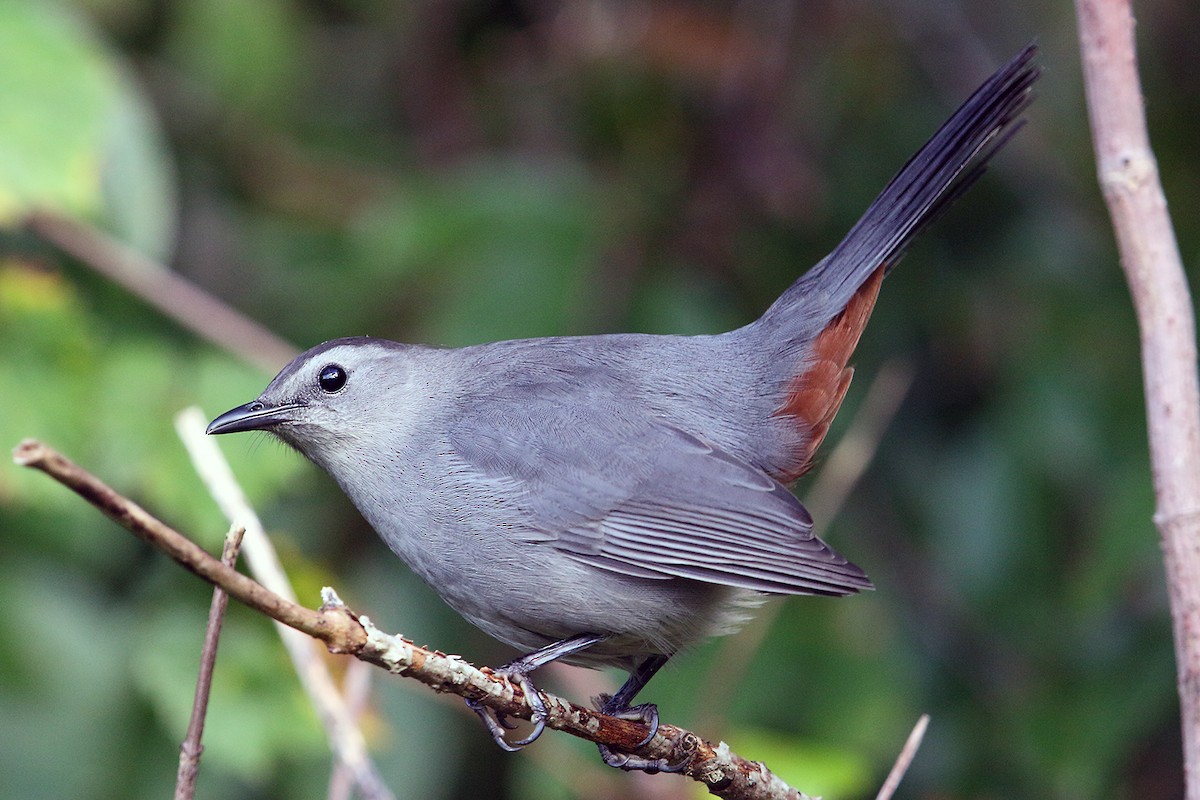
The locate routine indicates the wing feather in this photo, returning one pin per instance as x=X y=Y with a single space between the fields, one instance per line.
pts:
x=633 y=495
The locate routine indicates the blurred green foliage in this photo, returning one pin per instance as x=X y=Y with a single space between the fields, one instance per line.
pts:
x=55 y=79
x=465 y=171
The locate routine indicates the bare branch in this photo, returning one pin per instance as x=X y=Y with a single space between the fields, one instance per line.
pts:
x=840 y=473
x=189 y=752
x=1128 y=175
x=183 y=301
x=904 y=760
x=856 y=449
x=724 y=773
x=335 y=628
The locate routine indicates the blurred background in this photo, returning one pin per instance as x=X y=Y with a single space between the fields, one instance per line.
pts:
x=456 y=172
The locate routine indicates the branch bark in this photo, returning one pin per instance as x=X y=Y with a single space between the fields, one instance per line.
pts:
x=1128 y=175
x=724 y=773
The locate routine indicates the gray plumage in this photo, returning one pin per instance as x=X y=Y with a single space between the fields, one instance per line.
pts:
x=541 y=502
x=627 y=486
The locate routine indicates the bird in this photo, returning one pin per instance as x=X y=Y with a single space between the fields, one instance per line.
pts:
x=609 y=500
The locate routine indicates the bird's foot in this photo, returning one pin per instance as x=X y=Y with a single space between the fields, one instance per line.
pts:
x=518 y=672
x=498 y=723
x=646 y=713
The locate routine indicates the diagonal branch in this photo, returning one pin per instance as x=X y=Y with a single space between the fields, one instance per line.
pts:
x=904 y=760
x=178 y=298
x=724 y=773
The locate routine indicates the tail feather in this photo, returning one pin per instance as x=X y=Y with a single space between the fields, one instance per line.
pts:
x=811 y=331
x=926 y=186
x=816 y=393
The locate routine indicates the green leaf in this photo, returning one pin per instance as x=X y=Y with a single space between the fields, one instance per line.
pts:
x=247 y=53
x=515 y=235
x=58 y=86
x=75 y=134
x=138 y=184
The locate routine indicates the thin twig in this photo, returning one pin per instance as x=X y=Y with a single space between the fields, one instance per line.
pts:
x=335 y=628
x=190 y=750
x=904 y=760
x=181 y=300
x=345 y=738
x=1128 y=175
x=724 y=773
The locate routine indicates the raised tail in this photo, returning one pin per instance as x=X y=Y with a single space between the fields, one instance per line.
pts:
x=812 y=329
x=935 y=177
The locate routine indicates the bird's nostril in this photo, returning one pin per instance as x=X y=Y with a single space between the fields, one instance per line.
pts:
x=256 y=406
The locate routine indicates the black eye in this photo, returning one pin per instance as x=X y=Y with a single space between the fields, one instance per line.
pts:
x=331 y=378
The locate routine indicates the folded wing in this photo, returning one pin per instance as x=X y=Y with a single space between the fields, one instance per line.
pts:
x=633 y=495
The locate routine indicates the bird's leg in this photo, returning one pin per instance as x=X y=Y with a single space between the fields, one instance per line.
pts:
x=618 y=705
x=518 y=672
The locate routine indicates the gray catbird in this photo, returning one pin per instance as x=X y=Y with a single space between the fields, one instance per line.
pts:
x=609 y=500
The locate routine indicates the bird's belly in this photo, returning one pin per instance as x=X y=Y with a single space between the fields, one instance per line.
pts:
x=531 y=594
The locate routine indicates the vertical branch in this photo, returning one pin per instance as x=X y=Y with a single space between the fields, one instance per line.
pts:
x=189 y=752
x=1153 y=269
x=357 y=688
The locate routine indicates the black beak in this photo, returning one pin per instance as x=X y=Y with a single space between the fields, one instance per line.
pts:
x=254 y=416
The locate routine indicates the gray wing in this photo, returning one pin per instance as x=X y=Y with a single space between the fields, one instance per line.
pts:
x=634 y=495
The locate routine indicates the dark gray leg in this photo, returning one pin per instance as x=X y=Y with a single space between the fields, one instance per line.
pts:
x=518 y=672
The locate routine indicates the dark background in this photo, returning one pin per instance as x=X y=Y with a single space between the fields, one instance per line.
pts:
x=457 y=172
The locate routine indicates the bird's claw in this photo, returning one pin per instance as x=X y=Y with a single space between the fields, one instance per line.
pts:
x=498 y=723
x=630 y=762
x=495 y=725
x=646 y=713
